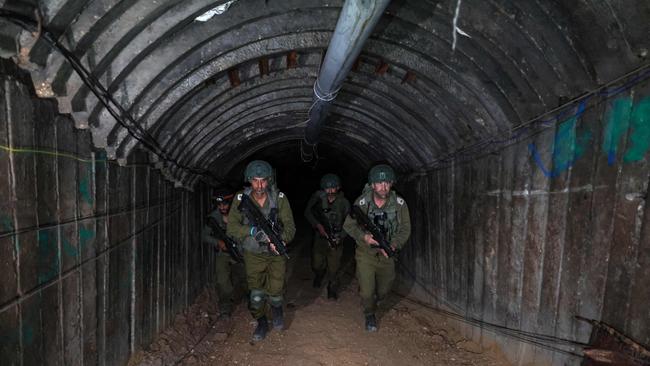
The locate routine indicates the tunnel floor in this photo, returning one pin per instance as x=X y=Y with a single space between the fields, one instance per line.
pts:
x=317 y=331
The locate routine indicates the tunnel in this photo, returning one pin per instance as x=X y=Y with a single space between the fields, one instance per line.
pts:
x=519 y=132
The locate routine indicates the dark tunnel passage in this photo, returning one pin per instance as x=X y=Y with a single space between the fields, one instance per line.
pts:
x=519 y=132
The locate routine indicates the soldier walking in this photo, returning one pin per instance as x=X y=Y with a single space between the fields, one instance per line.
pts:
x=230 y=273
x=389 y=213
x=326 y=210
x=265 y=268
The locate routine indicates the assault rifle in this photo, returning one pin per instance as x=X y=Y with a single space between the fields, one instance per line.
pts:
x=332 y=236
x=266 y=226
x=376 y=232
x=231 y=244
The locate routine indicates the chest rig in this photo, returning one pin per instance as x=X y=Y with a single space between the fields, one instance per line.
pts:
x=385 y=218
x=329 y=214
x=270 y=211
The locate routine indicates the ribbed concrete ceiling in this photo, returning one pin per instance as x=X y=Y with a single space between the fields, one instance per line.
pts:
x=215 y=92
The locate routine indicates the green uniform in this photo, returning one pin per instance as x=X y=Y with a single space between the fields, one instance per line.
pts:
x=375 y=272
x=265 y=271
x=320 y=211
x=228 y=271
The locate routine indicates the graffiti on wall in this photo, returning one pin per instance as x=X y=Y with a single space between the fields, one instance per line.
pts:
x=624 y=120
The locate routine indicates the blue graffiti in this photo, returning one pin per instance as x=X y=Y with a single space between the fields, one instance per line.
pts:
x=570 y=145
x=567 y=147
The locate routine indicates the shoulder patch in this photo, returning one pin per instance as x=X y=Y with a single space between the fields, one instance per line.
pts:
x=400 y=201
x=362 y=202
x=239 y=197
x=281 y=195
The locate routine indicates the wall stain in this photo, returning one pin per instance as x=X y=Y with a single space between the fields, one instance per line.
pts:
x=86 y=237
x=28 y=334
x=640 y=134
x=48 y=267
x=570 y=145
x=618 y=118
x=7 y=223
x=84 y=190
x=68 y=248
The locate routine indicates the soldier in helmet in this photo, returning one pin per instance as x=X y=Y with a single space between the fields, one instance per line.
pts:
x=389 y=212
x=326 y=210
x=265 y=269
x=229 y=272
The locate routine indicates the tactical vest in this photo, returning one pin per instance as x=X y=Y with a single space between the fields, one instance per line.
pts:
x=385 y=217
x=216 y=214
x=270 y=211
x=329 y=214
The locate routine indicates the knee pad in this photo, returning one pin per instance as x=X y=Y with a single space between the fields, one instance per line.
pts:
x=276 y=300
x=257 y=299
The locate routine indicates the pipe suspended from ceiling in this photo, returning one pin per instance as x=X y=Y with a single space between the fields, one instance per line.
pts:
x=357 y=20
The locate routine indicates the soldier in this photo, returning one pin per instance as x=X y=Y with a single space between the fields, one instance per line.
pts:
x=228 y=270
x=389 y=212
x=265 y=269
x=326 y=211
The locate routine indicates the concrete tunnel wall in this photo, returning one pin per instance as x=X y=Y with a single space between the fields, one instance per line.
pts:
x=96 y=259
x=550 y=226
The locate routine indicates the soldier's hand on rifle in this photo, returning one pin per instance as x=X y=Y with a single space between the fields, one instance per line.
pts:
x=368 y=238
x=261 y=237
x=383 y=252
x=221 y=245
x=321 y=230
x=273 y=249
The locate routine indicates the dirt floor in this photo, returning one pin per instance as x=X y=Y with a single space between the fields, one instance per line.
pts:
x=317 y=332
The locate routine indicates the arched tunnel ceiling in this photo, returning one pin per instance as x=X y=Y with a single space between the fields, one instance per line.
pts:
x=213 y=92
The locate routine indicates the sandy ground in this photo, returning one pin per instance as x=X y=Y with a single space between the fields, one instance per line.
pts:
x=317 y=332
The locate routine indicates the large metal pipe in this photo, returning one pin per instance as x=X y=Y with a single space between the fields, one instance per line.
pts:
x=357 y=20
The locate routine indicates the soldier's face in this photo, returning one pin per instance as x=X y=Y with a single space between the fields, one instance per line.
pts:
x=223 y=207
x=381 y=189
x=259 y=185
x=331 y=192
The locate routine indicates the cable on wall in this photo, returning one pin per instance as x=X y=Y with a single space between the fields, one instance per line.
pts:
x=122 y=116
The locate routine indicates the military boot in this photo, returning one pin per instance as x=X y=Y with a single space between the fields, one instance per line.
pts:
x=331 y=291
x=371 y=323
x=224 y=316
x=318 y=279
x=261 y=329
x=278 y=317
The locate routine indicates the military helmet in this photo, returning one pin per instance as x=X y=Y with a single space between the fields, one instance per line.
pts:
x=381 y=173
x=223 y=195
x=258 y=168
x=330 y=181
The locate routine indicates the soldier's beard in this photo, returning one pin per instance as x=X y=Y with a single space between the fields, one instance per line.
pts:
x=381 y=194
x=259 y=193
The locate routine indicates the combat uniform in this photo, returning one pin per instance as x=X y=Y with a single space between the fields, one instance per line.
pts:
x=375 y=272
x=228 y=270
x=265 y=271
x=326 y=259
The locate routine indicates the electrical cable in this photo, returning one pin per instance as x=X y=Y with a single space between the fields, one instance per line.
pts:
x=115 y=109
x=56 y=153
x=571 y=109
x=542 y=340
